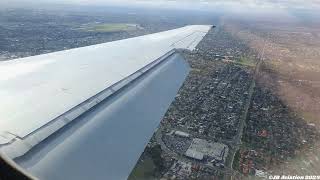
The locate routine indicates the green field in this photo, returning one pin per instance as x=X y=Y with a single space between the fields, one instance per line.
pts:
x=110 y=27
x=246 y=61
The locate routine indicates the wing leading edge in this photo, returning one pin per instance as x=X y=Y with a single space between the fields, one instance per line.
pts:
x=89 y=112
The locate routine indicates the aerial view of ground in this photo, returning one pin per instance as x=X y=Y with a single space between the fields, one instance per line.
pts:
x=109 y=27
x=249 y=108
x=250 y=92
x=26 y=32
x=290 y=71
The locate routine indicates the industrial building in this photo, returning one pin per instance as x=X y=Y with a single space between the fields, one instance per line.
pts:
x=199 y=148
x=181 y=134
x=194 y=154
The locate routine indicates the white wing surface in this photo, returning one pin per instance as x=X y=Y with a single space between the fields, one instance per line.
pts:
x=88 y=113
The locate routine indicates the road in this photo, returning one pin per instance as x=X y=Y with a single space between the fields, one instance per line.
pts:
x=237 y=140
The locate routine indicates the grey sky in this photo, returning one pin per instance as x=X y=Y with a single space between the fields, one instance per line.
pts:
x=252 y=4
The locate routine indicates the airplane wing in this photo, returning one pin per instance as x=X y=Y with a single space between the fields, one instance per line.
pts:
x=88 y=113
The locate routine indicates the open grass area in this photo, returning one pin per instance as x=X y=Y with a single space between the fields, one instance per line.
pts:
x=246 y=61
x=110 y=27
